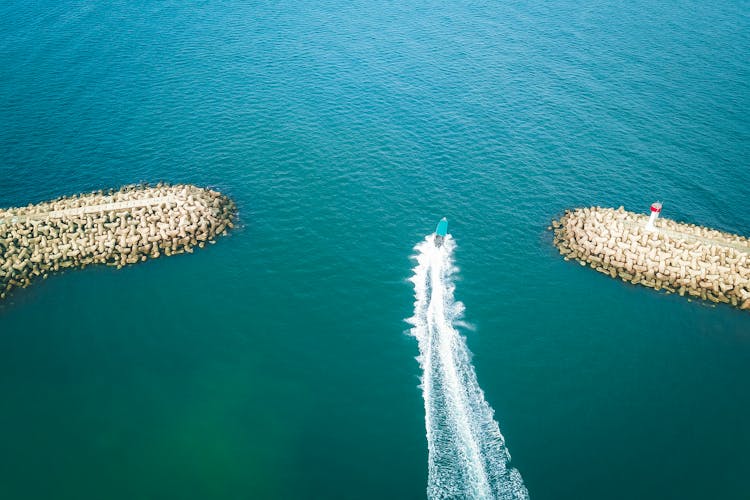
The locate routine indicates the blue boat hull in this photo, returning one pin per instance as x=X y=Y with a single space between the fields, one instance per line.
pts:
x=441 y=231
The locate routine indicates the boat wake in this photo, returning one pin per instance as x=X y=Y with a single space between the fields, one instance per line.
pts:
x=467 y=453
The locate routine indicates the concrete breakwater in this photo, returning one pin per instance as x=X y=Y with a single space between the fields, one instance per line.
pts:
x=115 y=228
x=658 y=253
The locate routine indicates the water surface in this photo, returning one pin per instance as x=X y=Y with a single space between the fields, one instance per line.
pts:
x=276 y=363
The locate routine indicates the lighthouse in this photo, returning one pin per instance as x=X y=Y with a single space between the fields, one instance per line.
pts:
x=655 y=211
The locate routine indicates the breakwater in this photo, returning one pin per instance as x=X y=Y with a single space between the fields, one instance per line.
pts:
x=658 y=253
x=114 y=228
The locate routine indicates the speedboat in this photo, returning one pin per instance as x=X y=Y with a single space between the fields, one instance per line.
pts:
x=441 y=231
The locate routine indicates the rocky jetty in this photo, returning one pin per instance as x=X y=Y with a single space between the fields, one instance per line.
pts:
x=676 y=257
x=115 y=228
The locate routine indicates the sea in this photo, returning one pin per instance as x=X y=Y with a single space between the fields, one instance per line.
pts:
x=324 y=349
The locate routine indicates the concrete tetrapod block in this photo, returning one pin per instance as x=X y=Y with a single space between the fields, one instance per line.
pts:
x=116 y=228
x=699 y=261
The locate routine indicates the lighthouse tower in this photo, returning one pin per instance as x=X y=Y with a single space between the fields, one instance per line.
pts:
x=655 y=211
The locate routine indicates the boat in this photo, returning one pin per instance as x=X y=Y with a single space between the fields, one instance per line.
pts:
x=441 y=231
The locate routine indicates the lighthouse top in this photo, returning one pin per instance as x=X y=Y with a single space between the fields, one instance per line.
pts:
x=656 y=207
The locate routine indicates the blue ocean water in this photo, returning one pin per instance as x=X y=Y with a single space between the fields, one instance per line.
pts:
x=276 y=363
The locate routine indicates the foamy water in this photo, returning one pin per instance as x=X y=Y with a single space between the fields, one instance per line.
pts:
x=467 y=453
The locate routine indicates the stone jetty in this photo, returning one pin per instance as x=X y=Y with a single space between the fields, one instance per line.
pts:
x=660 y=253
x=115 y=228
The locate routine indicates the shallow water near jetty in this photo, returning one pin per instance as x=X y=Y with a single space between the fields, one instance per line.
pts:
x=276 y=363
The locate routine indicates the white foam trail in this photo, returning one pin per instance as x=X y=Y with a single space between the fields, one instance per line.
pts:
x=467 y=453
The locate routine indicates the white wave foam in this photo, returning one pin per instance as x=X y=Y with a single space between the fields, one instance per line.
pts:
x=467 y=453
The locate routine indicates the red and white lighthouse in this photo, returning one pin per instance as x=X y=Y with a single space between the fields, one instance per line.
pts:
x=655 y=211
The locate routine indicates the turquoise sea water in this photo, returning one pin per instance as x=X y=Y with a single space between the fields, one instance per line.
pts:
x=277 y=363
